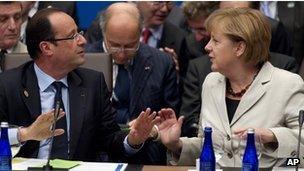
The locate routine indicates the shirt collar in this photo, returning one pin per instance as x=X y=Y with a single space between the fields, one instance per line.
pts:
x=44 y=80
x=157 y=32
x=126 y=65
x=129 y=63
x=8 y=50
x=104 y=47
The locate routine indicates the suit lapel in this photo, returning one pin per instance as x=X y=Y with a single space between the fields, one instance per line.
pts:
x=254 y=93
x=218 y=93
x=141 y=71
x=77 y=96
x=30 y=90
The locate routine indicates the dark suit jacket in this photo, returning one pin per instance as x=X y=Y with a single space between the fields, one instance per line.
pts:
x=154 y=81
x=92 y=124
x=291 y=15
x=285 y=62
x=174 y=37
x=154 y=85
x=198 y=69
x=280 y=39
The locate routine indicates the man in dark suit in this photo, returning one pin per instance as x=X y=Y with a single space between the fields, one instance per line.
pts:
x=53 y=78
x=290 y=14
x=142 y=76
x=198 y=69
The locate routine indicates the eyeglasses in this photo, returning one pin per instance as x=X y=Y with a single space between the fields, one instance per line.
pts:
x=112 y=49
x=160 y=4
x=75 y=36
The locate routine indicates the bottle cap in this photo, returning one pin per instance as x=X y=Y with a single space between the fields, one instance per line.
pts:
x=208 y=129
x=4 y=124
x=250 y=131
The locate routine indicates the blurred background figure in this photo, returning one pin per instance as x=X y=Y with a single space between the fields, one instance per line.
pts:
x=280 y=39
x=10 y=24
x=196 y=13
x=289 y=13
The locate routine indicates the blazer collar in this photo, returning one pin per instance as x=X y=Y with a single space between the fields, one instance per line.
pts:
x=77 y=97
x=30 y=90
x=218 y=94
x=251 y=97
x=255 y=91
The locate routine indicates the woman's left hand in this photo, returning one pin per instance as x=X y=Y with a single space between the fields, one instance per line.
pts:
x=265 y=135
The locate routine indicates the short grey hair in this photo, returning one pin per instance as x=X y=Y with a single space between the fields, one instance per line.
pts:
x=105 y=16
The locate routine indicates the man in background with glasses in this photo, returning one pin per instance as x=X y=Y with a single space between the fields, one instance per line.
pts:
x=143 y=77
x=159 y=33
x=87 y=124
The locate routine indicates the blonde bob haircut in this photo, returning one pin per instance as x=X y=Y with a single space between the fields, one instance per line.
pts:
x=247 y=25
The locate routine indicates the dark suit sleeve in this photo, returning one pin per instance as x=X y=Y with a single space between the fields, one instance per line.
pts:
x=191 y=100
x=280 y=41
x=170 y=88
x=293 y=66
x=198 y=69
x=109 y=136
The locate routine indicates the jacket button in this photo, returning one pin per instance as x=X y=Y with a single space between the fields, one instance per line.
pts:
x=293 y=153
x=230 y=155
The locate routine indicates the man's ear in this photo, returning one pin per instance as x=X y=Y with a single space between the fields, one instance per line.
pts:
x=46 y=48
x=240 y=48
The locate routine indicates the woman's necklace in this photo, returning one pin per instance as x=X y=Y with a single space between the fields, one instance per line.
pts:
x=239 y=94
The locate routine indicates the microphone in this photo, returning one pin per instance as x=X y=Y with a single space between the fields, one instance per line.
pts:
x=301 y=120
x=47 y=166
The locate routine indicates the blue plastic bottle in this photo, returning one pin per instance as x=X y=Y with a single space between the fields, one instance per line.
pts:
x=5 y=149
x=207 y=157
x=250 y=159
